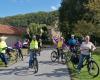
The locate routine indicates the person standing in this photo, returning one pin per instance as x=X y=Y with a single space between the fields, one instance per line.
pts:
x=85 y=49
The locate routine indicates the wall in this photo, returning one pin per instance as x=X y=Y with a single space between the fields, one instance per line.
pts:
x=11 y=40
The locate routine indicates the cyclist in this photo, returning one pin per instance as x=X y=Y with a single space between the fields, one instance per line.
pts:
x=38 y=38
x=18 y=46
x=60 y=45
x=55 y=40
x=85 y=48
x=3 y=45
x=40 y=46
x=72 y=42
x=28 y=37
x=33 y=49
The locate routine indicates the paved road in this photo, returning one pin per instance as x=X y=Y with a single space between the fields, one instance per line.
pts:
x=47 y=70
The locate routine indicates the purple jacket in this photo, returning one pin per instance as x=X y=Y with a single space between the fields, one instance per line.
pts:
x=18 y=45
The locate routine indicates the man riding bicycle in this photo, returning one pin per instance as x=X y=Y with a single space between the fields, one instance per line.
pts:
x=33 y=48
x=72 y=42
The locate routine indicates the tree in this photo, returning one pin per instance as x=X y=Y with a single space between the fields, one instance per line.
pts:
x=33 y=27
x=83 y=28
x=24 y=20
x=71 y=11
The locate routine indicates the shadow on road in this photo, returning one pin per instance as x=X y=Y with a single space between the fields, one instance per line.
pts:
x=18 y=71
x=48 y=63
x=56 y=73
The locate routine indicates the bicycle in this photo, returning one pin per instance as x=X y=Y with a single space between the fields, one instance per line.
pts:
x=34 y=63
x=55 y=56
x=92 y=66
x=72 y=55
x=18 y=56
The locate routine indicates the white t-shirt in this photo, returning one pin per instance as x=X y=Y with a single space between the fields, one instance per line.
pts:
x=86 y=46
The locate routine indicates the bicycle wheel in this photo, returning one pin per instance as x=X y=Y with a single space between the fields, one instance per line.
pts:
x=53 y=56
x=93 y=68
x=68 y=56
x=35 y=65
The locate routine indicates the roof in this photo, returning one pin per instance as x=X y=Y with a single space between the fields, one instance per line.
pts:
x=10 y=30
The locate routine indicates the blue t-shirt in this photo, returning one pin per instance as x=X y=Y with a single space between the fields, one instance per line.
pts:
x=72 y=42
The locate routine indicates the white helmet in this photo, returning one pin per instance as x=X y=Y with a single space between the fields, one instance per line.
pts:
x=34 y=37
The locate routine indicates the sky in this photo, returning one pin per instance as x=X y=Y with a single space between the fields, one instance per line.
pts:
x=14 y=7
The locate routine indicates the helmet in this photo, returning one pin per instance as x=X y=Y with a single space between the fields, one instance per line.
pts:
x=33 y=37
x=72 y=35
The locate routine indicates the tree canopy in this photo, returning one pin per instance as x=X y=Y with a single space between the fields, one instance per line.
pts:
x=24 y=20
x=80 y=17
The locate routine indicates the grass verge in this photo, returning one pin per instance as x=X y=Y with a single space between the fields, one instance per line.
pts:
x=84 y=73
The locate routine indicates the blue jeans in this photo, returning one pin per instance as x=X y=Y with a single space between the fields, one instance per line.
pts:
x=81 y=60
x=4 y=58
x=32 y=57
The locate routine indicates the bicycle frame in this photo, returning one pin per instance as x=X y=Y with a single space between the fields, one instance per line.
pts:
x=87 y=60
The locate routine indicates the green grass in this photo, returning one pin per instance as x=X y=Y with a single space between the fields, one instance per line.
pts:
x=84 y=74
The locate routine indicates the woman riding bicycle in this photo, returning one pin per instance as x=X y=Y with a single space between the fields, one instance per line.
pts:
x=18 y=47
x=85 y=48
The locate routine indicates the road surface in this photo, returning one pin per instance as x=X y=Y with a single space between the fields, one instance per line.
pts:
x=47 y=70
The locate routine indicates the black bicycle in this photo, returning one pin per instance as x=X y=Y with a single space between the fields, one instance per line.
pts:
x=34 y=63
x=72 y=55
x=92 y=66
x=18 y=56
x=55 y=56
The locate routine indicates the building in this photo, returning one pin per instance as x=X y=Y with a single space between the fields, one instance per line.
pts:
x=11 y=34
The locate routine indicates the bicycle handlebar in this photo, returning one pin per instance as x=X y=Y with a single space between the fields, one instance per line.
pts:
x=4 y=48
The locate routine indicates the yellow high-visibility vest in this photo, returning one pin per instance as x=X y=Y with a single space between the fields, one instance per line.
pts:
x=34 y=44
x=2 y=45
x=60 y=44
